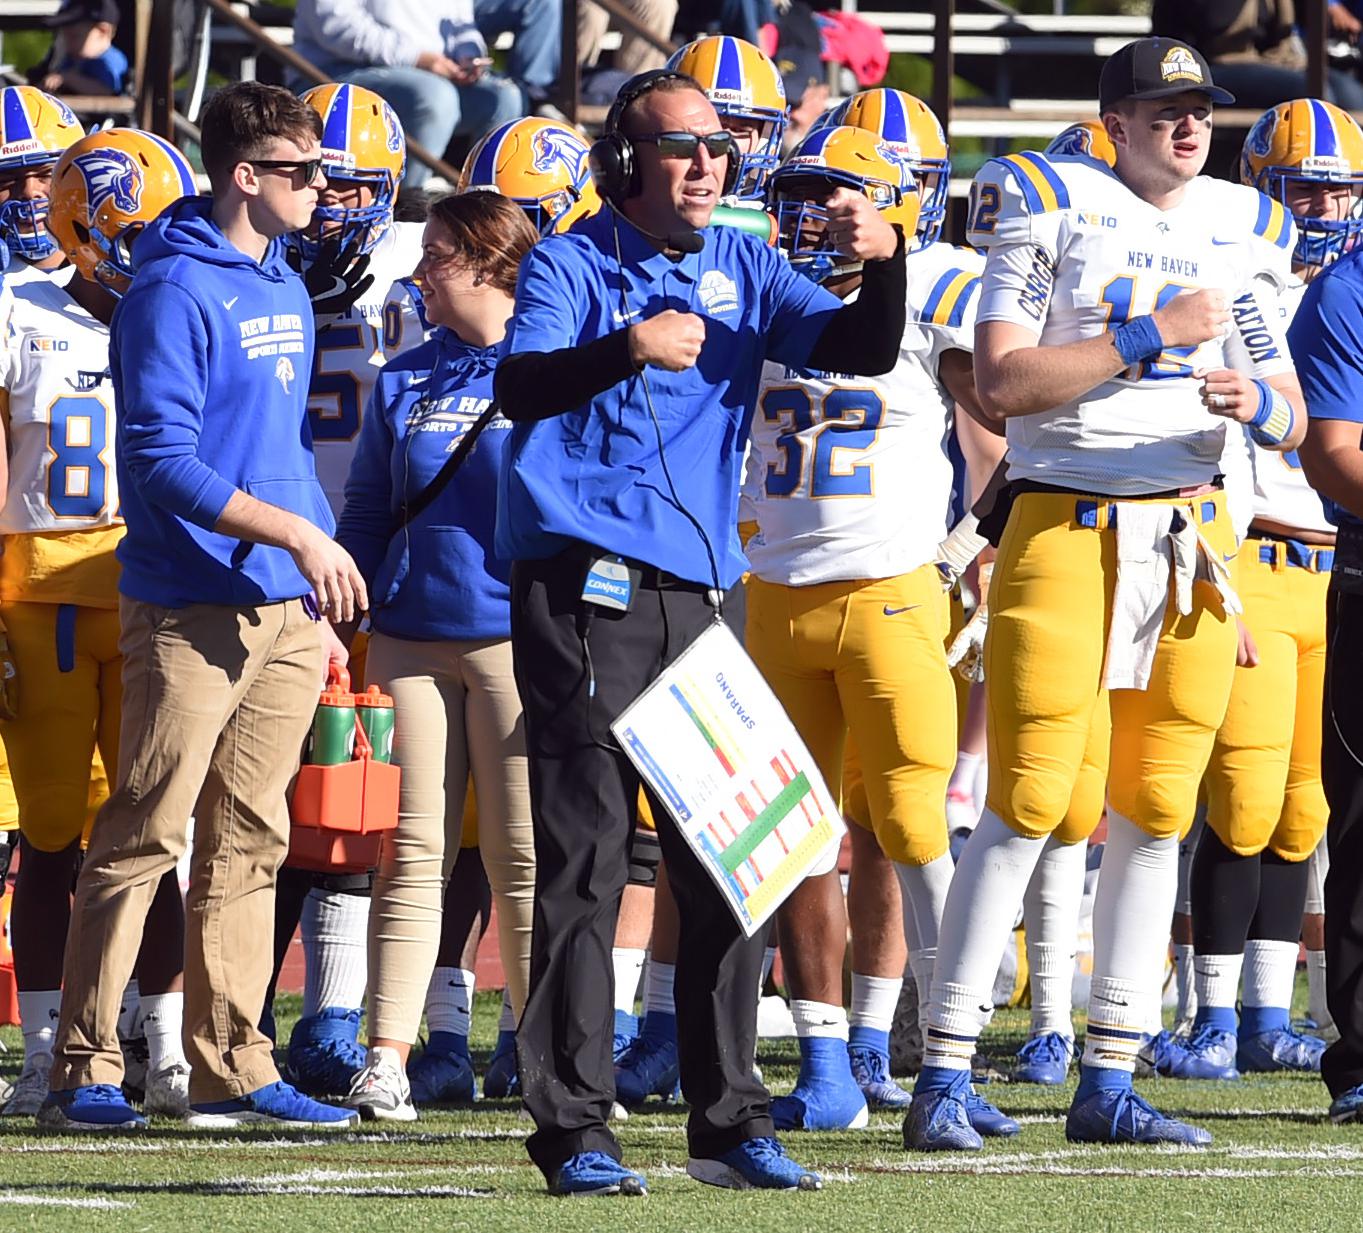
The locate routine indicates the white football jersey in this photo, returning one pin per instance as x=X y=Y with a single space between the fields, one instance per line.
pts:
x=350 y=351
x=59 y=412
x=1072 y=252
x=848 y=477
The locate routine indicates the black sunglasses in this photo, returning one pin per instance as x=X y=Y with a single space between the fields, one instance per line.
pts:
x=686 y=145
x=309 y=167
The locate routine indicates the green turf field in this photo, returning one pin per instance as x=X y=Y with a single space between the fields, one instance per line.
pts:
x=1277 y=1164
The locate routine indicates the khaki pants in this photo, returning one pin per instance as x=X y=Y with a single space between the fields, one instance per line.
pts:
x=635 y=55
x=456 y=708
x=216 y=703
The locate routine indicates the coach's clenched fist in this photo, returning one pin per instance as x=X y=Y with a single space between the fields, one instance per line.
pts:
x=671 y=340
x=855 y=228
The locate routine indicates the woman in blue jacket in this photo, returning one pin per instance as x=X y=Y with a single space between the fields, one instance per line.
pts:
x=441 y=625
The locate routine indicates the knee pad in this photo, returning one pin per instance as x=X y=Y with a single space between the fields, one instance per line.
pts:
x=644 y=855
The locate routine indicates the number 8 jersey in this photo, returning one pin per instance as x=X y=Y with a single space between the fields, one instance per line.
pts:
x=1072 y=253
x=58 y=406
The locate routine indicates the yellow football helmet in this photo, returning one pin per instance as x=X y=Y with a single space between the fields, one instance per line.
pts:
x=1308 y=141
x=105 y=189
x=833 y=157
x=906 y=126
x=743 y=83
x=362 y=140
x=1088 y=139
x=34 y=130
x=541 y=165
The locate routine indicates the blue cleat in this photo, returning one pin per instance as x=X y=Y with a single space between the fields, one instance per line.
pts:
x=939 y=1119
x=626 y=1029
x=595 y=1173
x=988 y=1120
x=1045 y=1059
x=826 y=1095
x=755 y=1164
x=276 y=1104
x=324 y=1052
x=1346 y=1107
x=502 y=1080
x=443 y=1073
x=1280 y=1049
x=650 y=1065
x=98 y=1106
x=1118 y=1115
x=871 y=1070
x=1209 y=1053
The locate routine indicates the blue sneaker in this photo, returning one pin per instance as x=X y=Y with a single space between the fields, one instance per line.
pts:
x=987 y=1119
x=324 y=1052
x=871 y=1070
x=502 y=1080
x=1209 y=1053
x=1346 y=1107
x=826 y=1095
x=1045 y=1059
x=98 y=1106
x=1118 y=1115
x=649 y=1067
x=939 y=1119
x=443 y=1073
x=626 y=1029
x=596 y=1173
x=1280 y=1049
x=755 y=1164
x=276 y=1104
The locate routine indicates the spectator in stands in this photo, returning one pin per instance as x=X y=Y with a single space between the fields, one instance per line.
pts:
x=797 y=56
x=1254 y=47
x=636 y=54
x=426 y=57
x=83 y=59
x=537 y=28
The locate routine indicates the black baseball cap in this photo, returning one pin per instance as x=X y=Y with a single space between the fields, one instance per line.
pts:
x=1156 y=68
x=74 y=11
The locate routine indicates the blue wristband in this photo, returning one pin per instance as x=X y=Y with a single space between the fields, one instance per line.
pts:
x=1139 y=339
x=1273 y=418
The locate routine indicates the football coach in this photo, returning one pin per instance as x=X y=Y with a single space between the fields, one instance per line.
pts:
x=631 y=374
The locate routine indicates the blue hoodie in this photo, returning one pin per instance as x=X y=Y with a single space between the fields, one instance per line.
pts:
x=211 y=353
x=437 y=578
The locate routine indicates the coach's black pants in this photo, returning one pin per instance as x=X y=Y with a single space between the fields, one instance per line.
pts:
x=1341 y=765
x=583 y=793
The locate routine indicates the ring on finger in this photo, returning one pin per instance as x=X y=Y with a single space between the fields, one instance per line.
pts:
x=1218 y=402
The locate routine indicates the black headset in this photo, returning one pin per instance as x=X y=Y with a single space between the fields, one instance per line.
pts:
x=615 y=170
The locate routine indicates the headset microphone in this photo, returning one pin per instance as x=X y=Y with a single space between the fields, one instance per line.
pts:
x=685 y=241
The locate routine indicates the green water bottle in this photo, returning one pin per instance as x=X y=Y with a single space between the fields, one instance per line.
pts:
x=375 y=710
x=333 y=727
x=758 y=222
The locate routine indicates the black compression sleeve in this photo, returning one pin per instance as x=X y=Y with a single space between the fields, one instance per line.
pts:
x=864 y=337
x=534 y=385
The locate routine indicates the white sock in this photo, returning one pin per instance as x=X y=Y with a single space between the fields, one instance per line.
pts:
x=922 y=963
x=130 y=1012
x=334 y=929
x=1218 y=979
x=1318 y=866
x=962 y=779
x=818 y=1019
x=628 y=964
x=977 y=919
x=1315 y=984
x=923 y=893
x=1131 y=915
x=873 y=1001
x=1270 y=971
x=658 y=988
x=768 y=961
x=1050 y=913
x=449 y=1001
x=1187 y=985
x=163 y=1024
x=507 y=1022
x=38 y=1014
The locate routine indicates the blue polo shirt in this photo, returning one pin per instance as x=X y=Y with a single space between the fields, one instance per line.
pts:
x=594 y=473
x=1326 y=340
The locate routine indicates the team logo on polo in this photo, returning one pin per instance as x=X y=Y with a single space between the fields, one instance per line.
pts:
x=111 y=176
x=718 y=293
x=283 y=371
x=1179 y=64
x=550 y=148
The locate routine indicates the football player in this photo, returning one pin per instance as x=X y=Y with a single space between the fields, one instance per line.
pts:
x=59 y=582
x=34 y=130
x=1107 y=294
x=353 y=245
x=850 y=484
x=1266 y=809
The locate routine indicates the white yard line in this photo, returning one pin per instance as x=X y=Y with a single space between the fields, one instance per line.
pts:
x=8 y=1197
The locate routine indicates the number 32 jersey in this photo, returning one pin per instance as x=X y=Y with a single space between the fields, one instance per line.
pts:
x=848 y=477
x=1072 y=253
x=58 y=406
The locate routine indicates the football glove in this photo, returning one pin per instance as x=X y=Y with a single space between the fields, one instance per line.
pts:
x=961 y=546
x=9 y=680
x=966 y=652
x=335 y=279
